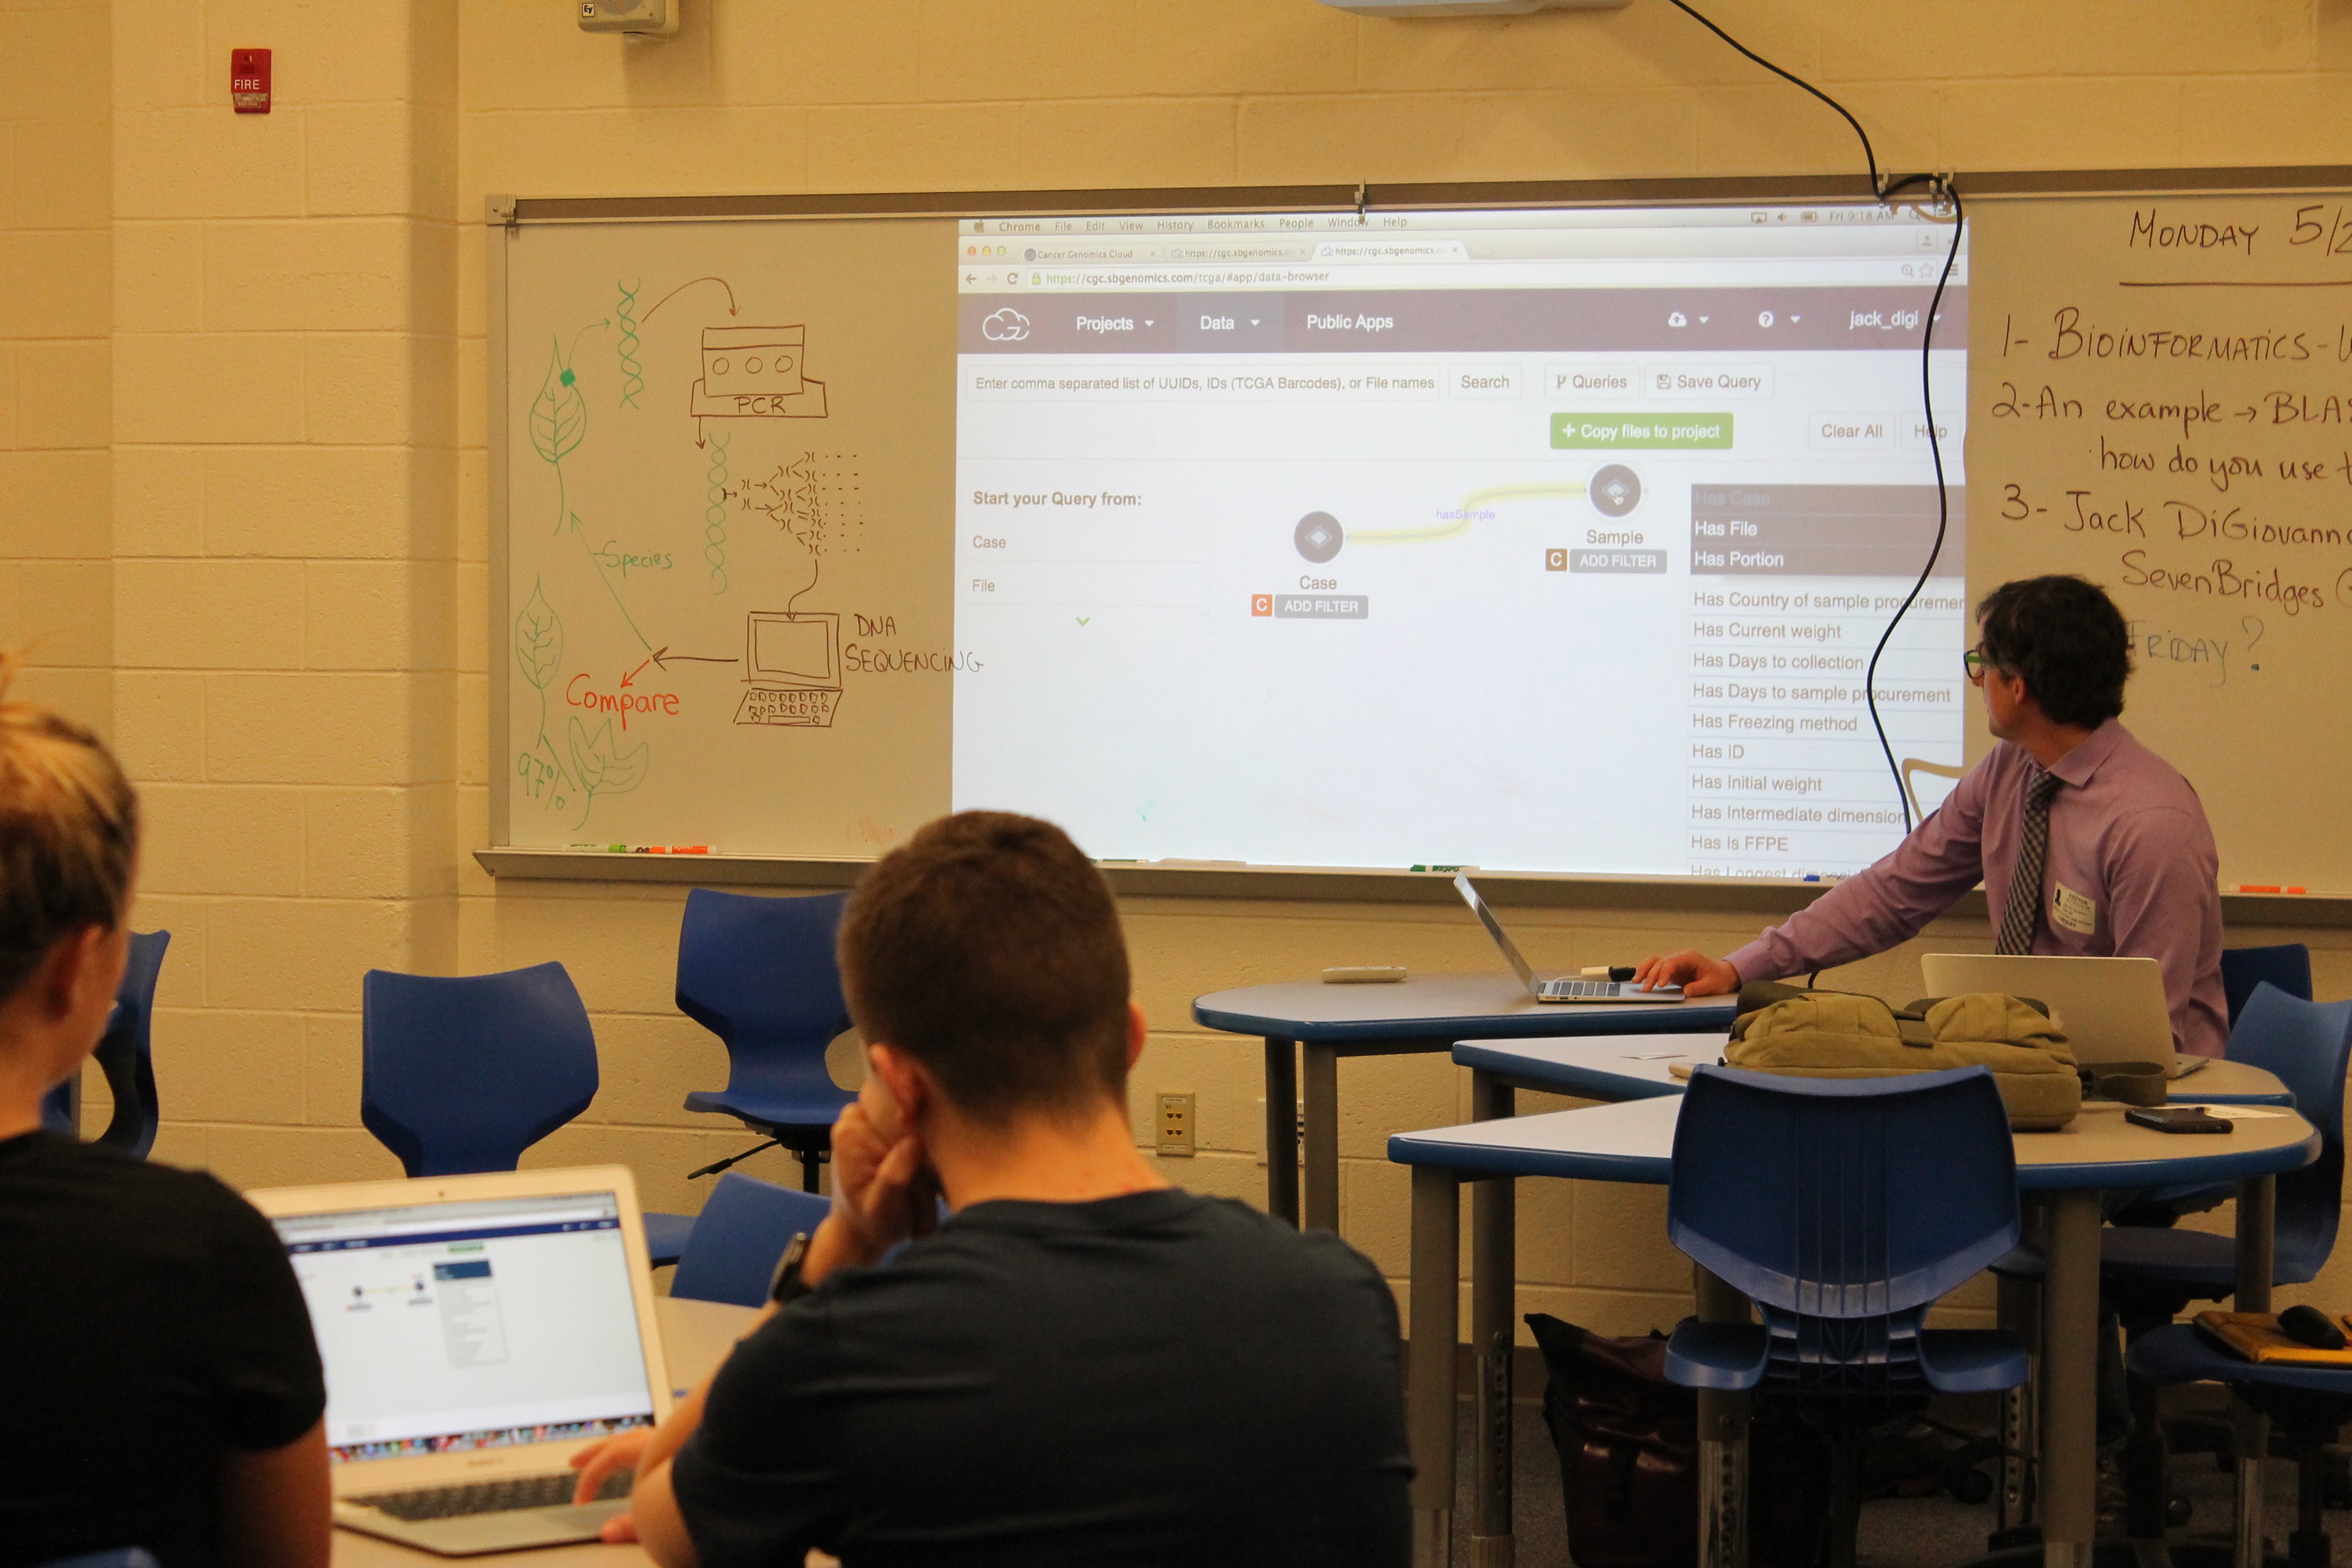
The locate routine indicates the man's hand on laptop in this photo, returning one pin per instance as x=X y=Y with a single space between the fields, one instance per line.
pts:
x=1693 y=971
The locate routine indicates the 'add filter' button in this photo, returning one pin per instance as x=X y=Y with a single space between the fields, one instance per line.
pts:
x=1675 y=432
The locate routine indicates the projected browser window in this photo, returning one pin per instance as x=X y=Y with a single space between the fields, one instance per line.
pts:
x=1536 y=541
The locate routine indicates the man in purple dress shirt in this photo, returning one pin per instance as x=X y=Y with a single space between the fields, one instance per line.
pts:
x=2129 y=869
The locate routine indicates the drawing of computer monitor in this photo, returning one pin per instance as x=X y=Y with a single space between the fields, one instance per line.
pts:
x=785 y=652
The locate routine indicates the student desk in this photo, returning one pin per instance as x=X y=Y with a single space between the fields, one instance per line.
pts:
x=696 y=1336
x=1423 y=1013
x=1633 y=1141
x=1637 y=1066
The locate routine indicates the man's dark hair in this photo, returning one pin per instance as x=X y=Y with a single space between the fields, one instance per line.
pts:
x=988 y=948
x=2066 y=638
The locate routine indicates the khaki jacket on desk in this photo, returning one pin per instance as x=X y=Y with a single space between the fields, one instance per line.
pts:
x=1835 y=1034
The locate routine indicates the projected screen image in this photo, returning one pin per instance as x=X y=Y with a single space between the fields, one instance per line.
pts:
x=1530 y=541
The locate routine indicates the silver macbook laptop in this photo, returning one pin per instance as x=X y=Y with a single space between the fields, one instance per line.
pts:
x=1563 y=988
x=2113 y=1009
x=478 y=1332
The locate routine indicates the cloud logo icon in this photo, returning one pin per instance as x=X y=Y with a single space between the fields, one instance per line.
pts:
x=1007 y=326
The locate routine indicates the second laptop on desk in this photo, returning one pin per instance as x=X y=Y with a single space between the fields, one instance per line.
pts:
x=2113 y=1009
x=1561 y=988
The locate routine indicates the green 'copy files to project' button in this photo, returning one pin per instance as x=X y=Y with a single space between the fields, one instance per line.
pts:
x=1641 y=432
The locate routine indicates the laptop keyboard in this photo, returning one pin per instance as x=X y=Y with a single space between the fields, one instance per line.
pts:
x=488 y=1497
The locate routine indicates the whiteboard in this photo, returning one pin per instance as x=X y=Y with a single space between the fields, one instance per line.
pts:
x=728 y=454
x=802 y=535
x=2158 y=401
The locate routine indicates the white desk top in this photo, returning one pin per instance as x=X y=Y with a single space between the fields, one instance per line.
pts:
x=1633 y=1141
x=696 y=1337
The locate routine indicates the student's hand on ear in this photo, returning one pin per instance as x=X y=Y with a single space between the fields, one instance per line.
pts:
x=882 y=1191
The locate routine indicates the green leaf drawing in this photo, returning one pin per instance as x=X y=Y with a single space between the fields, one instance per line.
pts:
x=559 y=417
x=539 y=640
x=599 y=768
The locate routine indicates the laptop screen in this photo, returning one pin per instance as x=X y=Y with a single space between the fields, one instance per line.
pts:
x=478 y=1324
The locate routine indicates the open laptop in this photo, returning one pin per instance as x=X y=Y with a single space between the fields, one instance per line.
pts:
x=1563 y=988
x=2113 y=1009
x=478 y=1332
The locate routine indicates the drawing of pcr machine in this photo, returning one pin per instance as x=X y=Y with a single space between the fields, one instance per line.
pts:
x=754 y=372
x=792 y=665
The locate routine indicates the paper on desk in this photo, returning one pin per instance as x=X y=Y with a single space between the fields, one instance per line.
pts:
x=2239 y=1112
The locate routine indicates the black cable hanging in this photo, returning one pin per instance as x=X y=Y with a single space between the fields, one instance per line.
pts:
x=1941 y=190
x=1944 y=191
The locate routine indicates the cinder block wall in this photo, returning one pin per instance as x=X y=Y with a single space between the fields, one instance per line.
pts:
x=55 y=556
x=297 y=563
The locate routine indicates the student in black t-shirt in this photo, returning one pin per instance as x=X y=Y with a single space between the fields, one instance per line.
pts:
x=158 y=1383
x=1082 y=1365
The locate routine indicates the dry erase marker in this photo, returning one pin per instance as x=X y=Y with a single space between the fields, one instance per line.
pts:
x=2259 y=887
x=689 y=849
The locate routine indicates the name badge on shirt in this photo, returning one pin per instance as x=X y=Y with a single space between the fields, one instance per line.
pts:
x=2070 y=910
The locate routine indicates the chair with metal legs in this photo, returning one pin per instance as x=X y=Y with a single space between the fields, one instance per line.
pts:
x=1843 y=1209
x=760 y=974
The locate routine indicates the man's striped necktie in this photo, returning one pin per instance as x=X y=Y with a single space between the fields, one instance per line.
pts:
x=2023 y=916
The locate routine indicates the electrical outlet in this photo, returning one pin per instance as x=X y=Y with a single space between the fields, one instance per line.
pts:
x=1176 y=1125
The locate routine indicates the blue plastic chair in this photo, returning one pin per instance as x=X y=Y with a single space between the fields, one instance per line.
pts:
x=743 y=1231
x=126 y=1055
x=760 y=975
x=461 y=1074
x=2286 y=967
x=2307 y=1045
x=2307 y=1407
x=1845 y=1210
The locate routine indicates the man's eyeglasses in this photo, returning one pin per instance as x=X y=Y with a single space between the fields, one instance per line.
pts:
x=1976 y=661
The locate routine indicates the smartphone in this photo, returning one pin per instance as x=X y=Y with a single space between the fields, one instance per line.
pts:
x=2176 y=1118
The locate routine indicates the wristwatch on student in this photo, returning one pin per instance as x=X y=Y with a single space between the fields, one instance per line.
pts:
x=787 y=1287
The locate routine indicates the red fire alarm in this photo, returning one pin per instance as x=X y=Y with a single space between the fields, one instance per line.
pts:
x=248 y=81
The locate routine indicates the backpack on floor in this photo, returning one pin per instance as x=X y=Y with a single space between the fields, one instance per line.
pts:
x=1628 y=1447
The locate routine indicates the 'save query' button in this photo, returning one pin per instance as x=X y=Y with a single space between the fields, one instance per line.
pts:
x=1642 y=432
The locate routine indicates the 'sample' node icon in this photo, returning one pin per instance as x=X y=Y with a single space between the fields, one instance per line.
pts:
x=1319 y=536
x=1615 y=491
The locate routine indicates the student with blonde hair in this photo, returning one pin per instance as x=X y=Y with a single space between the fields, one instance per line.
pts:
x=162 y=1388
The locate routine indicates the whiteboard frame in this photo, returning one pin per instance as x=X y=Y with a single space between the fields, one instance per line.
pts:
x=504 y=214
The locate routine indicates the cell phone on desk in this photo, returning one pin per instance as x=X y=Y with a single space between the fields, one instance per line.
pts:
x=2176 y=1118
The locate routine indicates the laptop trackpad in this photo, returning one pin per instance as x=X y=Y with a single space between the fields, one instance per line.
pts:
x=507 y=1531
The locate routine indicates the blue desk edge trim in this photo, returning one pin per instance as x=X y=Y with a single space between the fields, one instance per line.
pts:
x=1558 y=1077
x=1686 y=1019
x=1653 y=1170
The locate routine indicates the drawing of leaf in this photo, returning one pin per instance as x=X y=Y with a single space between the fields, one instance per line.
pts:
x=626 y=771
x=559 y=417
x=539 y=640
x=601 y=769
